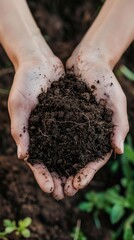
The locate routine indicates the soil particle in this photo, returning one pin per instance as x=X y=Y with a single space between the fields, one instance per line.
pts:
x=75 y=18
x=19 y=198
x=68 y=128
x=24 y=129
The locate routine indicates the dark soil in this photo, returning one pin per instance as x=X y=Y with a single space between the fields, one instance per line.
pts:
x=63 y=24
x=51 y=220
x=68 y=128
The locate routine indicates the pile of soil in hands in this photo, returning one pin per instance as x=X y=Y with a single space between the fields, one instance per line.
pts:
x=68 y=128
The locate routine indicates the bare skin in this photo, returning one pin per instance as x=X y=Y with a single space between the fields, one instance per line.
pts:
x=35 y=68
x=29 y=80
x=93 y=60
x=35 y=63
x=100 y=77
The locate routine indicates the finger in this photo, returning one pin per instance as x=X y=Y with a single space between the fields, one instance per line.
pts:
x=69 y=189
x=59 y=70
x=19 y=113
x=58 y=193
x=43 y=177
x=121 y=128
x=85 y=175
x=63 y=179
x=69 y=64
x=74 y=64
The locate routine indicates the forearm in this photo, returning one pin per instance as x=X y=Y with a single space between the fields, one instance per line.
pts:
x=112 y=31
x=19 y=33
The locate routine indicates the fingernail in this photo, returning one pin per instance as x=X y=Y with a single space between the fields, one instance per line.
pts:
x=26 y=157
x=118 y=148
x=122 y=147
x=19 y=154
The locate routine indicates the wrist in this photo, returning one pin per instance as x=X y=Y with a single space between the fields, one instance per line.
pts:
x=96 y=52
x=111 y=33
x=29 y=49
x=19 y=33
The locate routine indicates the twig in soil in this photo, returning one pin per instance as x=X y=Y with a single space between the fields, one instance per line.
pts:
x=77 y=230
x=82 y=113
x=71 y=122
x=45 y=135
x=79 y=110
x=75 y=123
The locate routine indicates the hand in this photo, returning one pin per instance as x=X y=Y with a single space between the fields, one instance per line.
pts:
x=95 y=71
x=30 y=77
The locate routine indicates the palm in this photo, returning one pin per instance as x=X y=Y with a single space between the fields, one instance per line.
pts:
x=106 y=88
x=30 y=79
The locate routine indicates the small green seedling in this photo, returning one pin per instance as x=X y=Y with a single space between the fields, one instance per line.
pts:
x=117 y=201
x=77 y=234
x=20 y=228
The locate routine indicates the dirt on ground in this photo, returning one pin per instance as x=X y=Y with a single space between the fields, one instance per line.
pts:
x=63 y=23
x=20 y=197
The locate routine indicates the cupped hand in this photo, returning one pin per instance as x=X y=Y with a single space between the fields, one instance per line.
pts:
x=30 y=78
x=99 y=76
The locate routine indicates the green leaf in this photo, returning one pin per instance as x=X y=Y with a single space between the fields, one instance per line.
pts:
x=96 y=199
x=26 y=222
x=124 y=182
x=130 y=188
x=127 y=72
x=86 y=206
x=108 y=209
x=82 y=236
x=101 y=202
x=117 y=213
x=9 y=229
x=7 y=223
x=128 y=233
x=2 y=234
x=129 y=153
x=126 y=167
x=130 y=202
x=129 y=141
x=26 y=233
x=90 y=196
x=113 y=196
x=114 y=166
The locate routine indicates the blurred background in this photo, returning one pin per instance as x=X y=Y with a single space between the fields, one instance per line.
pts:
x=105 y=209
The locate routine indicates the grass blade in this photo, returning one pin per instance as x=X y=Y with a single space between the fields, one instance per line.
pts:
x=127 y=73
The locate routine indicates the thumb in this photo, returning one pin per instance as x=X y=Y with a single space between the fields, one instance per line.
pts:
x=19 y=111
x=121 y=129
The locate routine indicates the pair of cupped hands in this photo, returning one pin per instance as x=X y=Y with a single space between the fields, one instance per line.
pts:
x=37 y=71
